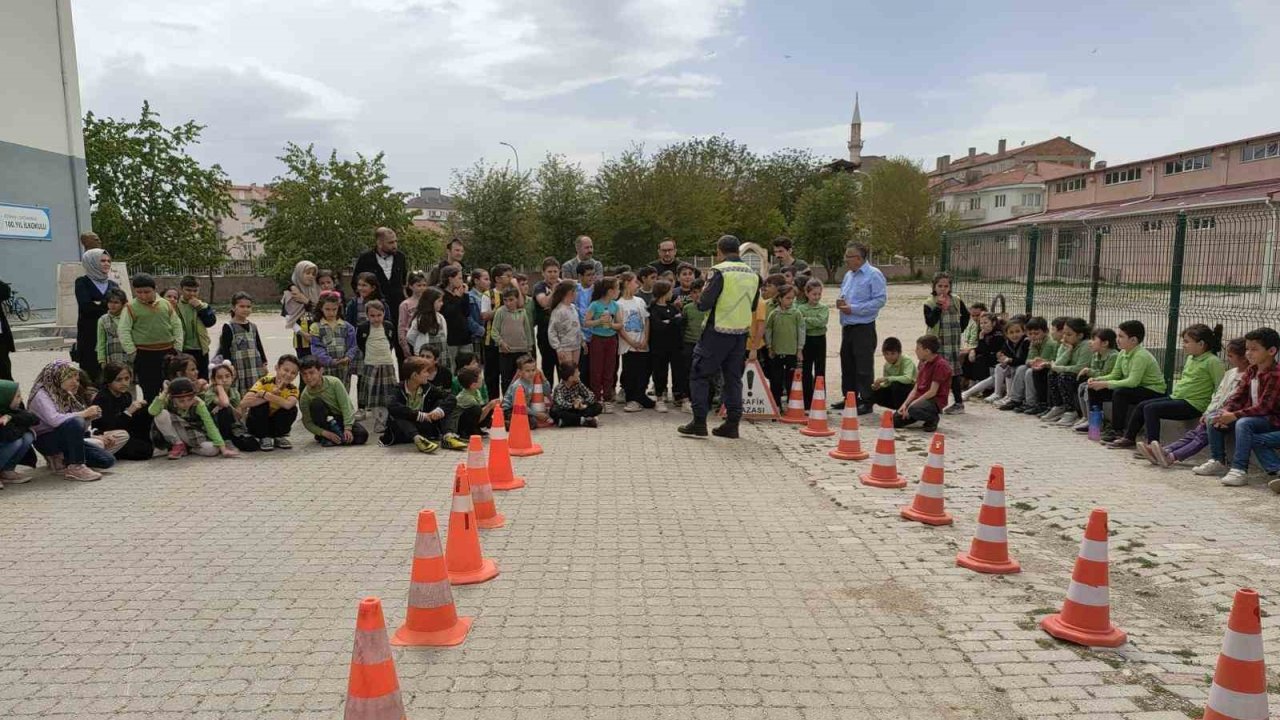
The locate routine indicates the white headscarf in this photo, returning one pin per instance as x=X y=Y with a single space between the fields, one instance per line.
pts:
x=92 y=269
x=293 y=309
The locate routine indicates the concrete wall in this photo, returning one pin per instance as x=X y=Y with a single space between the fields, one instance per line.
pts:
x=263 y=290
x=41 y=142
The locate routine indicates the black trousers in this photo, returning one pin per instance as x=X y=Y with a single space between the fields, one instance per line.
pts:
x=1041 y=380
x=148 y=368
x=1148 y=414
x=402 y=431
x=686 y=370
x=6 y=365
x=665 y=363
x=493 y=371
x=1123 y=401
x=507 y=371
x=225 y=419
x=891 y=395
x=1063 y=389
x=723 y=354
x=857 y=360
x=321 y=415
x=572 y=417
x=546 y=355
x=263 y=423
x=814 y=365
x=469 y=422
x=635 y=377
x=923 y=411
x=781 y=367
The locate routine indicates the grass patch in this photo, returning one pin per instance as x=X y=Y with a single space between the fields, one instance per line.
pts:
x=1022 y=505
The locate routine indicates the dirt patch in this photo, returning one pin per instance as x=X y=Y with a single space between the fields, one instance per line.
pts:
x=888 y=596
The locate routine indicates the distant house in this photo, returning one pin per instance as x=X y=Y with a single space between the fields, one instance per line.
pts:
x=976 y=165
x=1004 y=195
x=432 y=208
x=236 y=230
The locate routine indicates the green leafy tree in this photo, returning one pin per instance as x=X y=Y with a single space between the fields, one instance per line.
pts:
x=565 y=204
x=625 y=222
x=824 y=220
x=896 y=210
x=788 y=173
x=152 y=203
x=497 y=207
x=326 y=211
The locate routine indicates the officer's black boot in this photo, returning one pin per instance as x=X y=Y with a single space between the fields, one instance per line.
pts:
x=727 y=429
x=697 y=427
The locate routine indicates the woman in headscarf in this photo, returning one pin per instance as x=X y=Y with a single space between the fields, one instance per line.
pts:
x=91 y=300
x=60 y=398
x=299 y=302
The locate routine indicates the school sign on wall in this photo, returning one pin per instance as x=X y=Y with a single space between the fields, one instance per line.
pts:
x=24 y=222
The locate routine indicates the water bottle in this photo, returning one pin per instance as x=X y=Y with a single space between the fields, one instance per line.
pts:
x=1095 y=423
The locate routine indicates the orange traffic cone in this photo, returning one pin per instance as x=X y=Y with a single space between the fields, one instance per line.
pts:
x=817 y=426
x=795 y=414
x=884 y=466
x=501 y=476
x=1239 y=690
x=373 y=691
x=989 y=551
x=521 y=443
x=487 y=515
x=850 y=445
x=463 y=558
x=432 y=619
x=539 y=404
x=1086 y=613
x=928 y=505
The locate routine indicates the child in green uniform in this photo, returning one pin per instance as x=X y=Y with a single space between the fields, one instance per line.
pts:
x=814 y=362
x=784 y=337
x=896 y=378
x=1135 y=377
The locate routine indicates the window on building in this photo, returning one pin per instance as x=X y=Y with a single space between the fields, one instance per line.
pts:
x=1012 y=242
x=1115 y=177
x=1152 y=225
x=1000 y=200
x=1204 y=222
x=1066 y=186
x=1261 y=151
x=975 y=203
x=1187 y=164
x=1032 y=199
x=940 y=207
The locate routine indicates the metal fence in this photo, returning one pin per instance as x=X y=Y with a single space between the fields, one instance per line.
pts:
x=1168 y=270
x=258 y=266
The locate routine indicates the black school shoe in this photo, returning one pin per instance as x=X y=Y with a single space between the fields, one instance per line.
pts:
x=1036 y=409
x=727 y=429
x=1013 y=407
x=929 y=427
x=694 y=428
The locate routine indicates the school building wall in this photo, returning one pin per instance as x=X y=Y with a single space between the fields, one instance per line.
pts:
x=41 y=143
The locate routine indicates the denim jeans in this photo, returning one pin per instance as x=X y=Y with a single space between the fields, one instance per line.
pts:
x=68 y=441
x=11 y=452
x=1253 y=434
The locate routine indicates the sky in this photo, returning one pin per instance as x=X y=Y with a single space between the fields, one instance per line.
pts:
x=440 y=84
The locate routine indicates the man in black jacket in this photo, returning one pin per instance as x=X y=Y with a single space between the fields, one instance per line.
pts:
x=391 y=268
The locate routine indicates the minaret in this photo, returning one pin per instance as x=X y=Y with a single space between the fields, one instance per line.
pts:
x=855 y=134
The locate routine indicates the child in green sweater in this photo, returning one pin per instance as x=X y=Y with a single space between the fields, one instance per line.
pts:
x=815 y=314
x=784 y=336
x=1191 y=393
x=326 y=408
x=1135 y=377
x=1064 y=373
x=150 y=330
x=197 y=433
x=896 y=379
x=473 y=406
x=694 y=319
x=1102 y=345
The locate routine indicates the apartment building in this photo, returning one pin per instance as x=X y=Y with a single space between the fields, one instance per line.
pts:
x=236 y=229
x=1000 y=196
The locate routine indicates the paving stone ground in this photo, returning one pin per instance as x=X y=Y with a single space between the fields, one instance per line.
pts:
x=643 y=576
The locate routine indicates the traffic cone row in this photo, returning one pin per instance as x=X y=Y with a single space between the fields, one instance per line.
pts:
x=849 y=446
x=795 y=414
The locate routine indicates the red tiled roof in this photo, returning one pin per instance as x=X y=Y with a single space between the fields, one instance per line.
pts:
x=1053 y=146
x=1034 y=172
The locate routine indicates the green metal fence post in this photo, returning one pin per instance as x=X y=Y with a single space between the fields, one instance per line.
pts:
x=1094 y=276
x=1175 y=299
x=1033 y=248
x=944 y=260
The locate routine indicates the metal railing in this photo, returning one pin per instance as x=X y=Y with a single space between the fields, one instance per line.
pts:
x=258 y=266
x=1169 y=270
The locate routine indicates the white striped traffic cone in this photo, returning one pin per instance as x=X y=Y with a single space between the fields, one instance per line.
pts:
x=928 y=506
x=989 y=551
x=849 y=446
x=1086 y=613
x=884 y=466
x=795 y=414
x=1239 y=690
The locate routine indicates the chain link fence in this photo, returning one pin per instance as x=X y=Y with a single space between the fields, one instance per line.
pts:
x=1171 y=270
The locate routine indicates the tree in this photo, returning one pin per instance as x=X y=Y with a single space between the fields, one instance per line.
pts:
x=152 y=203
x=896 y=210
x=789 y=172
x=326 y=211
x=824 y=220
x=565 y=205
x=496 y=206
x=624 y=216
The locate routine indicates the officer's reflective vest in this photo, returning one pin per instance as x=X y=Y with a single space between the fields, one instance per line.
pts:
x=733 y=306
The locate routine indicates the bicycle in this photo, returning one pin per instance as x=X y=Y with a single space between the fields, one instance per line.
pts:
x=17 y=306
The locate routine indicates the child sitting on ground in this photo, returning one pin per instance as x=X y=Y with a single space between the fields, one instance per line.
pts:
x=1011 y=356
x=933 y=379
x=271 y=405
x=572 y=403
x=1102 y=345
x=241 y=344
x=1037 y=380
x=474 y=407
x=526 y=371
x=983 y=356
x=1064 y=373
x=110 y=349
x=1191 y=393
x=1197 y=438
x=897 y=377
x=223 y=401
x=1251 y=414
x=326 y=408
x=122 y=411
x=196 y=432
x=1022 y=390
x=438 y=374
x=1135 y=377
x=16 y=435
x=419 y=412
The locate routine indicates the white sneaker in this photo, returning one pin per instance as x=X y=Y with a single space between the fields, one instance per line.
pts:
x=1210 y=468
x=1067 y=420
x=608 y=407
x=661 y=406
x=1054 y=414
x=1234 y=478
x=632 y=406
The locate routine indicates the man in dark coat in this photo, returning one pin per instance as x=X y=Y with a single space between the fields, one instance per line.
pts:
x=391 y=268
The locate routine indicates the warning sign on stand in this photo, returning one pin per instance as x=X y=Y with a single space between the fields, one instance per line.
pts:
x=757 y=398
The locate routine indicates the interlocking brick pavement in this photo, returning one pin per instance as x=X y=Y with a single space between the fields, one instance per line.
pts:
x=643 y=576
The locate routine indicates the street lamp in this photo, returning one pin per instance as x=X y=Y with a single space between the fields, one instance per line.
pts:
x=513 y=150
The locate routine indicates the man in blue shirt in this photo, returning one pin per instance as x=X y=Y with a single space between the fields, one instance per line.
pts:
x=862 y=293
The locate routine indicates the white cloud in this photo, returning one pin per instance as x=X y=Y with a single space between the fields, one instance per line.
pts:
x=684 y=85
